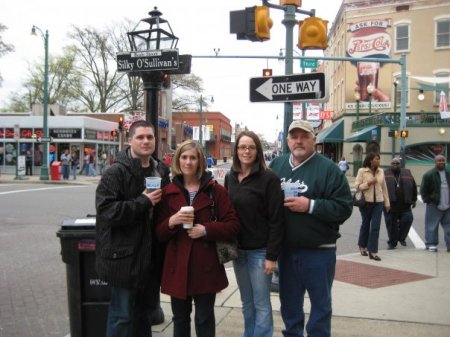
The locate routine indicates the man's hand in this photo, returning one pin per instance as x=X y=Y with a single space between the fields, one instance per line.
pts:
x=154 y=196
x=297 y=204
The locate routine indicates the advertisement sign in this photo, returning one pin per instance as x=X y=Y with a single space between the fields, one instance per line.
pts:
x=369 y=38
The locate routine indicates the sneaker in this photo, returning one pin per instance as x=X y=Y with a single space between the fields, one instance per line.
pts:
x=432 y=249
x=403 y=243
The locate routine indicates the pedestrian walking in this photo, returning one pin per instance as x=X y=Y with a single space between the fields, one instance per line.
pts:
x=370 y=180
x=66 y=160
x=435 y=192
x=402 y=191
x=317 y=201
x=128 y=255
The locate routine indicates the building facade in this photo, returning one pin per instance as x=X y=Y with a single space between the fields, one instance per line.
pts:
x=365 y=97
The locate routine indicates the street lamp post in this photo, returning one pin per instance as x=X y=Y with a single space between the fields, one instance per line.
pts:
x=370 y=91
x=44 y=164
x=357 y=99
x=200 y=131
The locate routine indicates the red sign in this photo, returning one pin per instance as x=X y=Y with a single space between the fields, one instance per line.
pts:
x=2 y=133
x=326 y=115
x=26 y=133
x=9 y=133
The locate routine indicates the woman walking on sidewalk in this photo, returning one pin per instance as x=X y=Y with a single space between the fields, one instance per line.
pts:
x=370 y=180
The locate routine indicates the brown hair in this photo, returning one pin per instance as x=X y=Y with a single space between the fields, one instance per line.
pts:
x=259 y=151
x=183 y=147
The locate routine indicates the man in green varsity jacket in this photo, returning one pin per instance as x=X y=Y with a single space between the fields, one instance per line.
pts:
x=321 y=203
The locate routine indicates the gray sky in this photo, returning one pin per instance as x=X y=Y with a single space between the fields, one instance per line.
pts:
x=201 y=26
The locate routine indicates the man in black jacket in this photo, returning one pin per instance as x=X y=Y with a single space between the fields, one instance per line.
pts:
x=402 y=191
x=127 y=254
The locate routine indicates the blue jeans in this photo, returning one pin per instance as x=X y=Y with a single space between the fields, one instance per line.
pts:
x=65 y=171
x=310 y=270
x=370 y=226
x=398 y=225
x=205 y=321
x=434 y=216
x=254 y=286
x=130 y=310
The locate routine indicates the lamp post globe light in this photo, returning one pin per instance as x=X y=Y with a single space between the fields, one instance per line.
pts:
x=200 y=131
x=44 y=175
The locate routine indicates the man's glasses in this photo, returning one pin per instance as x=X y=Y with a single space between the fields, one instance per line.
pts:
x=244 y=148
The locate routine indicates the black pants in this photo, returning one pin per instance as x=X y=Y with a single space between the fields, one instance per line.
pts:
x=28 y=169
x=205 y=321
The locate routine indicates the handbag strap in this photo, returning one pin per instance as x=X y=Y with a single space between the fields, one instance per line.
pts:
x=212 y=205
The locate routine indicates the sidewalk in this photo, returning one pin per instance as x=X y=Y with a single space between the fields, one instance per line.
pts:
x=407 y=294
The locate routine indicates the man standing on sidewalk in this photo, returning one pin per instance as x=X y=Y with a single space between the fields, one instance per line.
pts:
x=402 y=191
x=128 y=255
x=321 y=203
x=435 y=192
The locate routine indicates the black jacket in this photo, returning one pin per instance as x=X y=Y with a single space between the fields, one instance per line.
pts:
x=407 y=189
x=125 y=224
x=258 y=201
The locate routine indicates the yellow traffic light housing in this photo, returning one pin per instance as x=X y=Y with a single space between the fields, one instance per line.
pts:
x=312 y=33
x=404 y=133
x=263 y=23
x=267 y=72
x=297 y=3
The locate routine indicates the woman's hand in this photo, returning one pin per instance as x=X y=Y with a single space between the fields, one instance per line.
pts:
x=180 y=218
x=270 y=266
x=197 y=232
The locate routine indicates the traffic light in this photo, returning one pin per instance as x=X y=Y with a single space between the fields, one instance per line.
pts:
x=312 y=33
x=404 y=133
x=166 y=80
x=267 y=72
x=263 y=23
x=252 y=23
x=297 y=3
x=393 y=133
x=120 y=123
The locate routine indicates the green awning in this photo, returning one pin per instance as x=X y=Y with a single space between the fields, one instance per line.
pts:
x=332 y=134
x=364 y=135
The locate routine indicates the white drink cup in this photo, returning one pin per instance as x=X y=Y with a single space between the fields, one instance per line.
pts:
x=290 y=190
x=152 y=183
x=188 y=209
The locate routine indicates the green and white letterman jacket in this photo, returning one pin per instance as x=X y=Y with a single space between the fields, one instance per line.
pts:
x=320 y=180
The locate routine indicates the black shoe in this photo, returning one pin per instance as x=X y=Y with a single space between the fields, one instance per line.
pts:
x=374 y=257
x=390 y=247
x=403 y=243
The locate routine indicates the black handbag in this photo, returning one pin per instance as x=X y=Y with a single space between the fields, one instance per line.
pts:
x=227 y=250
x=358 y=198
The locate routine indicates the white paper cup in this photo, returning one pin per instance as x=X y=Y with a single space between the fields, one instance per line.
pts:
x=188 y=209
x=152 y=183
x=290 y=190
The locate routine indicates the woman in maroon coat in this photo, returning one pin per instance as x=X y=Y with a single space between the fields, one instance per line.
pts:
x=191 y=268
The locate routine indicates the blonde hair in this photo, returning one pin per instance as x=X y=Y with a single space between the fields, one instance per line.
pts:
x=183 y=147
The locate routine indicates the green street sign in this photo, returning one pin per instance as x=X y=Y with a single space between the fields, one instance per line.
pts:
x=308 y=63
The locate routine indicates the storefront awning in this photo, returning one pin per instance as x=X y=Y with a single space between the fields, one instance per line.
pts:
x=332 y=134
x=364 y=135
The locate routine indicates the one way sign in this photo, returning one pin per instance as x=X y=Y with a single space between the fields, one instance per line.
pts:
x=309 y=87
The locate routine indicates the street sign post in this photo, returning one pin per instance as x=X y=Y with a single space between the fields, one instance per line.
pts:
x=139 y=61
x=309 y=87
x=308 y=63
x=44 y=139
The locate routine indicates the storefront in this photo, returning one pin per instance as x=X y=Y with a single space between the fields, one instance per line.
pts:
x=81 y=135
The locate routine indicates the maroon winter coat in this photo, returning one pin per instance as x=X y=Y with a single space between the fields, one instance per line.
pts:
x=191 y=266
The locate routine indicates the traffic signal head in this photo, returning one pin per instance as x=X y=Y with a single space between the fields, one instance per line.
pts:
x=166 y=80
x=120 y=123
x=267 y=72
x=404 y=133
x=297 y=3
x=312 y=33
x=263 y=23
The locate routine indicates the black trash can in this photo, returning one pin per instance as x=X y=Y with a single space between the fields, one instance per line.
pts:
x=224 y=159
x=88 y=296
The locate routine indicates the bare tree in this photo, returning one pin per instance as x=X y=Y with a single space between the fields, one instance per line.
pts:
x=100 y=86
x=4 y=47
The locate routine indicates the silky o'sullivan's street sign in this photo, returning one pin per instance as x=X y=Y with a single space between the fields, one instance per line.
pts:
x=139 y=61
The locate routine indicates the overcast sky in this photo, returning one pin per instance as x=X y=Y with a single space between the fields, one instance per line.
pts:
x=201 y=26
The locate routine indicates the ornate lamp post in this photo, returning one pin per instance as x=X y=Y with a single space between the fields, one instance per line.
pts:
x=44 y=164
x=200 y=132
x=370 y=88
x=153 y=56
